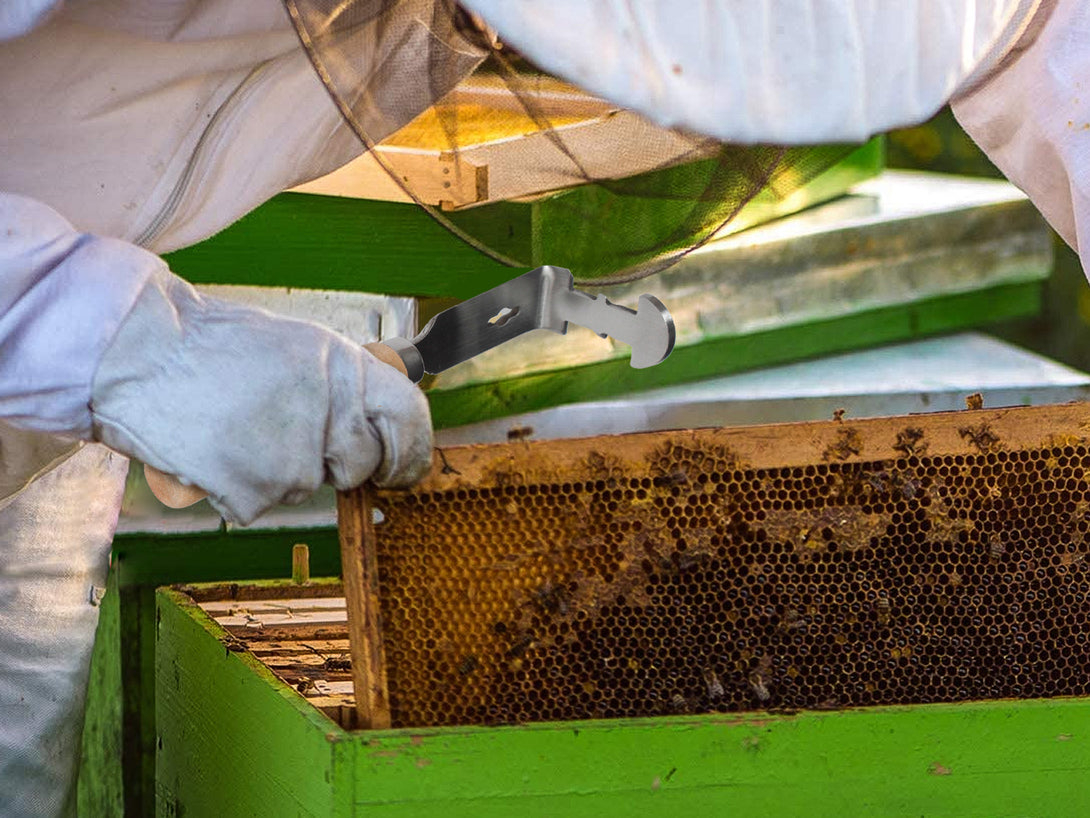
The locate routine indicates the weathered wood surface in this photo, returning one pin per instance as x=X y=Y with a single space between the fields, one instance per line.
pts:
x=764 y=447
x=304 y=641
x=359 y=566
x=502 y=152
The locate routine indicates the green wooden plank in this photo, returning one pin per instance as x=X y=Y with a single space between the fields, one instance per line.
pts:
x=979 y=759
x=236 y=741
x=585 y=228
x=137 y=658
x=160 y=559
x=99 y=791
x=730 y=354
x=232 y=741
x=334 y=243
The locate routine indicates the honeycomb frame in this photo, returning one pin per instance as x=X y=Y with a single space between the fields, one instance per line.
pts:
x=930 y=558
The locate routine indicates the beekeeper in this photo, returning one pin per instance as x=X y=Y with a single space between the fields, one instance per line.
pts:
x=134 y=127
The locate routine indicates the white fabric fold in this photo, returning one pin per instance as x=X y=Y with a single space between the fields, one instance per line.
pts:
x=1032 y=118
x=63 y=295
x=780 y=71
x=56 y=539
x=161 y=122
x=19 y=17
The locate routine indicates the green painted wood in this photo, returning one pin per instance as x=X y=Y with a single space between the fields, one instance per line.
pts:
x=564 y=235
x=143 y=562
x=159 y=559
x=334 y=243
x=980 y=759
x=137 y=612
x=730 y=354
x=329 y=242
x=231 y=741
x=238 y=742
x=100 y=790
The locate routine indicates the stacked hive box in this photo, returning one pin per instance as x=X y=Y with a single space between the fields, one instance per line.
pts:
x=767 y=570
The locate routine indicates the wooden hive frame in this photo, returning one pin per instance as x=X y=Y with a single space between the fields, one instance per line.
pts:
x=887 y=446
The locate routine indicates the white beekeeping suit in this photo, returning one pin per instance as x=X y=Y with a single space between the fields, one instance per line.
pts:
x=130 y=128
x=805 y=71
x=777 y=71
x=136 y=126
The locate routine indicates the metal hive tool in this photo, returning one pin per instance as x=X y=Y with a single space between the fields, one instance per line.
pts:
x=936 y=558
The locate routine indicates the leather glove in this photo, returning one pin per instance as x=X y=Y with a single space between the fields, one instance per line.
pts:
x=254 y=408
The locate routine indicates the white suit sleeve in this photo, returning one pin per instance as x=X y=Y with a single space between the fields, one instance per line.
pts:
x=1032 y=118
x=100 y=341
x=19 y=17
x=63 y=296
x=782 y=71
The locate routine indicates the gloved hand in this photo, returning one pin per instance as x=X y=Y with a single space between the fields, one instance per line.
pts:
x=254 y=408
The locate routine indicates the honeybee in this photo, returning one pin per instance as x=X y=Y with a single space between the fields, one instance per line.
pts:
x=678 y=703
x=882 y=605
x=468 y=664
x=760 y=689
x=715 y=687
x=553 y=599
x=909 y=488
x=760 y=678
x=340 y=662
x=677 y=477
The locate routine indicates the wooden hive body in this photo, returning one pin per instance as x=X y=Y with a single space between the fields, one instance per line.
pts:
x=801 y=566
x=980 y=598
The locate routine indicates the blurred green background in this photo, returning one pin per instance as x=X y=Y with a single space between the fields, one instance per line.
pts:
x=1062 y=330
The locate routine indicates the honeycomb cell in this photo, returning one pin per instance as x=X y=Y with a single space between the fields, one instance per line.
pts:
x=700 y=585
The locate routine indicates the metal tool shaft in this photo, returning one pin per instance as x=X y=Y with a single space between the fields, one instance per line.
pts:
x=544 y=298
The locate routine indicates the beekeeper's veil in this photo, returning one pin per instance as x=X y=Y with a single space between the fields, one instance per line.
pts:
x=617 y=195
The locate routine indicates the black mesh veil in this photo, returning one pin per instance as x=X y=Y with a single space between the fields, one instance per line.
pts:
x=461 y=123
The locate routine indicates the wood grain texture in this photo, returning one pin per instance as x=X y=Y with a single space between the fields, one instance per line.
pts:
x=499 y=151
x=232 y=739
x=765 y=447
x=300 y=563
x=359 y=566
x=100 y=789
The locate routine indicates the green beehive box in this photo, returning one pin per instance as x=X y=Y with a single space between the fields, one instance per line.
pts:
x=756 y=643
x=234 y=740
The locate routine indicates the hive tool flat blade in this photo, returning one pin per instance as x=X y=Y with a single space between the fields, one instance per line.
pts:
x=544 y=298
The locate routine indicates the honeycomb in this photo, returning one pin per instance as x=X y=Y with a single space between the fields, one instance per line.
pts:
x=938 y=558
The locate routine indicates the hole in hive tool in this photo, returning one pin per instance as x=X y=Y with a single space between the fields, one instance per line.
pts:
x=503 y=316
